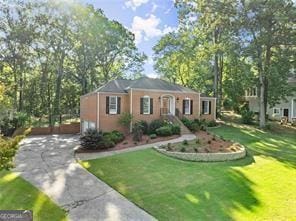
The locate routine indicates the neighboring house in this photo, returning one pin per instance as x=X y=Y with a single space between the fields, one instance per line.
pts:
x=146 y=99
x=285 y=108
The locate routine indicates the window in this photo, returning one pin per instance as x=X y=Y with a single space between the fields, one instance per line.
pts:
x=187 y=106
x=251 y=92
x=113 y=105
x=276 y=111
x=206 y=107
x=146 y=105
x=88 y=125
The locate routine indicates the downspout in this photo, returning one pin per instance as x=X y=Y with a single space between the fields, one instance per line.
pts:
x=131 y=109
x=98 y=111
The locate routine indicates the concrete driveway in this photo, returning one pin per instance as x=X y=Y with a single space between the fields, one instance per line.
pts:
x=48 y=163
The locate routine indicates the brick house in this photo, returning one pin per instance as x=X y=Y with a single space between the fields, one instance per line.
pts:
x=146 y=99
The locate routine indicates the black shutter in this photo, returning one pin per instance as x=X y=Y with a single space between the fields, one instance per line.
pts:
x=151 y=105
x=203 y=107
x=191 y=106
x=183 y=106
x=210 y=107
x=141 y=105
x=107 y=105
x=118 y=104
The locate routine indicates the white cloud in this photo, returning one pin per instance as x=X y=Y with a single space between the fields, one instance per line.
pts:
x=154 y=7
x=146 y=28
x=134 y=3
x=168 y=29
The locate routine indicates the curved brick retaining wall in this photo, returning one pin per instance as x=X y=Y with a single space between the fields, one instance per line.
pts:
x=205 y=157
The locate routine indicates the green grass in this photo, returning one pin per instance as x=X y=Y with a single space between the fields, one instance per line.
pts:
x=16 y=193
x=261 y=186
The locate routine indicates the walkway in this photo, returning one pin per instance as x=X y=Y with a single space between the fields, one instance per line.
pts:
x=48 y=163
x=90 y=156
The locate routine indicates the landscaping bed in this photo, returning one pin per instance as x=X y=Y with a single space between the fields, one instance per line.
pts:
x=142 y=133
x=207 y=147
x=128 y=142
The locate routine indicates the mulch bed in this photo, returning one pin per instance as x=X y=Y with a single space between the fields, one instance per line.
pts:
x=213 y=144
x=128 y=142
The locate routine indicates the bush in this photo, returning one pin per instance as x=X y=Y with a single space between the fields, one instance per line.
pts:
x=114 y=136
x=155 y=124
x=153 y=136
x=91 y=139
x=247 y=116
x=8 y=148
x=192 y=125
x=125 y=119
x=106 y=143
x=212 y=123
x=176 y=129
x=183 y=149
x=137 y=131
x=185 y=142
x=164 y=131
x=145 y=126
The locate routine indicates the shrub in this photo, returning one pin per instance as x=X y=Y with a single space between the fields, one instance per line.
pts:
x=106 y=143
x=145 y=126
x=247 y=116
x=176 y=129
x=183 y=149
x=185 y=142
x=196 y=150
x=153 y=136
x=164 y=131
x=213 y=138
x=209 y=142
x=155 y=124
x=197 y=141
x=212 y=123
x=125 y=119
x=186 y=122
x=192 y=125
x=137 y=131
x=90 y=139
x=169 y=147
x=8 y=148
x=114 y=136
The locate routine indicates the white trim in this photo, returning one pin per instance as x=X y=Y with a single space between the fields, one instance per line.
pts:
x=131 y=110
x=189 y=106
x=98 y=111
x=115 y=105
x=208 y=104
x=146 y=97
x=276 y=108
x=199 y=106
x=172 y=103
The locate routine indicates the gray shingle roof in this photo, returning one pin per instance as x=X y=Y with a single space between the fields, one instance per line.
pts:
x=121 y=86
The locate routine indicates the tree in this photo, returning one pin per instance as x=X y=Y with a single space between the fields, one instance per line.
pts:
x=267 y=31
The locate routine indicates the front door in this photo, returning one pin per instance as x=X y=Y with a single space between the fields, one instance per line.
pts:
x=166 y=105
x=286 y=112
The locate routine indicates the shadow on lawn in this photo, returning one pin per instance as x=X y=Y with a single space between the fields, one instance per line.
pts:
x=280 y=146
x=231 y=191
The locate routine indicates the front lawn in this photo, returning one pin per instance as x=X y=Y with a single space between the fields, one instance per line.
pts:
x=259 y=187
x=18 y=194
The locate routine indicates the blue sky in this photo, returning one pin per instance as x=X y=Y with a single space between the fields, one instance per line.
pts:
x=147 y=19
